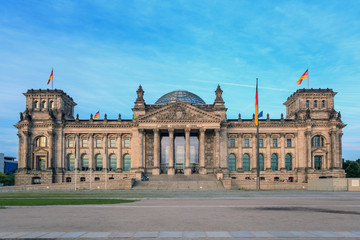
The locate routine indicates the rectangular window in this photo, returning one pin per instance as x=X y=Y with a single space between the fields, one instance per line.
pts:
x=261 y=143
x=71 y=143
x=126 y=143
x=232 y=143
x=275 y=142
x=98 y=143
x=288 y=142
x=84 y=143
x=246 y=142
x=112 y=143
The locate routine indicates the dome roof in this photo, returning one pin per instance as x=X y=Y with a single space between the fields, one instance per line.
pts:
x=180 y=95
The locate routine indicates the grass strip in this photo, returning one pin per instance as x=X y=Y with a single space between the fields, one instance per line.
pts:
x=45 y=202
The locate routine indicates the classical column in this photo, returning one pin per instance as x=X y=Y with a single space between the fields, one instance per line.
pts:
x=340 y=150
x=217 y=148
x=171 y=170
x=333 y=148
x=77 y=150
x=187 y=152
x=64 y=152
x=26 y=158
x=119 y=160
x=202 y=169
x=21 y=161
x=267 y=160
x=91 y=160
x=156 y=169
x=141 y=152
x=281 y=158
x=308 y=150
x=240 y=153
x=49 y=160
x=106 y=163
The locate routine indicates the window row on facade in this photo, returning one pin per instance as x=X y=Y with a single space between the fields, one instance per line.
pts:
x=98 y=143
x=246 y=143
x=315 y=104
x=43 y=104
x=246 y=162
x=84 y=143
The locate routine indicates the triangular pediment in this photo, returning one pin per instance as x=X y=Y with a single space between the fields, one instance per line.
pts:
x=179 y=112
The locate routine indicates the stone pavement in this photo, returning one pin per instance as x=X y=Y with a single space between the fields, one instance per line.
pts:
x=183 y=234
x=248 y=215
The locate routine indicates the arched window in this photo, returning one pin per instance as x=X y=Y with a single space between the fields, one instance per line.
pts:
x=52 y=105
x=41 y=141
x=261 y=162
x=288 y=162
x=98 y=162
x=307 y=104
x=274 y=162
x=246 y=162
x=317 y=141
x=127 y=162
x=43 y=104
x=315 y=104
x=317 y=162
x=112 y=159
x=323 y=103
x=232 y=162
x=84 y=162
x=36 y=104
x=71 y=162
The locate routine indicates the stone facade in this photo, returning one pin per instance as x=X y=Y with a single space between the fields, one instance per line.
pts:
x=180 y=134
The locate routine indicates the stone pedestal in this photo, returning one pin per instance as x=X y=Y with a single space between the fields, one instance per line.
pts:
x=219 y=176
x=187 y=171
x=156 y=171
x=171 y=171
x=202 y=171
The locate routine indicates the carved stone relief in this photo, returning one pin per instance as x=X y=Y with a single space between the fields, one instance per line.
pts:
x=209 y=150
x=149 y=149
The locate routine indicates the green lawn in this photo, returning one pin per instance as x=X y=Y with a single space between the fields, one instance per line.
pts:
x=47 y=201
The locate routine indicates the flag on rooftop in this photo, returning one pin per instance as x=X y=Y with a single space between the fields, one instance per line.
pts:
x=261 y=114
x=51 y=76
x=305 y=75
x=97 y=115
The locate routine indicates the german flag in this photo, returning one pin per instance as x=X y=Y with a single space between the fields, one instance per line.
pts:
x=305 y=75
x=51 y=76
x=97 y=115
x=256 y=105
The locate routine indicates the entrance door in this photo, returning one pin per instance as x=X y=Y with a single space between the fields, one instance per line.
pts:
x=179 y=154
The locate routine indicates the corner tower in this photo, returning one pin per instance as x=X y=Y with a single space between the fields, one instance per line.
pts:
x=311 y=103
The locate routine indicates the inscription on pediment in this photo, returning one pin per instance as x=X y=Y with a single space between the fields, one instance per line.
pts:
x=179 y=112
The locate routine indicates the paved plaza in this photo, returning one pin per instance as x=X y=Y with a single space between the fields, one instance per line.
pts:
x=233 y=215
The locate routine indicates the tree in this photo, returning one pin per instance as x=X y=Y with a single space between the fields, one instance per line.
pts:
x=346 y=163
x=353 y=170
x=3 y=178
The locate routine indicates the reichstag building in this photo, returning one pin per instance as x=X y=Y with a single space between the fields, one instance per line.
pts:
x=178 y=134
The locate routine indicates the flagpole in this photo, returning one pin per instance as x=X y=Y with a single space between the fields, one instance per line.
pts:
x=106 y=162
x=257 y=148
x=308 y=78
x=76 y=165
x=52 y=80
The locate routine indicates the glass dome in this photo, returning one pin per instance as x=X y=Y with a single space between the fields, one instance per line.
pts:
x=180 y=95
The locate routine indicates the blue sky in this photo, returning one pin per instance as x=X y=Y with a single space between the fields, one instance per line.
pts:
x=102 y=50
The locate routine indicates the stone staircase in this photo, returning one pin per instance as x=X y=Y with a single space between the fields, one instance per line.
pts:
x=194 y=182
